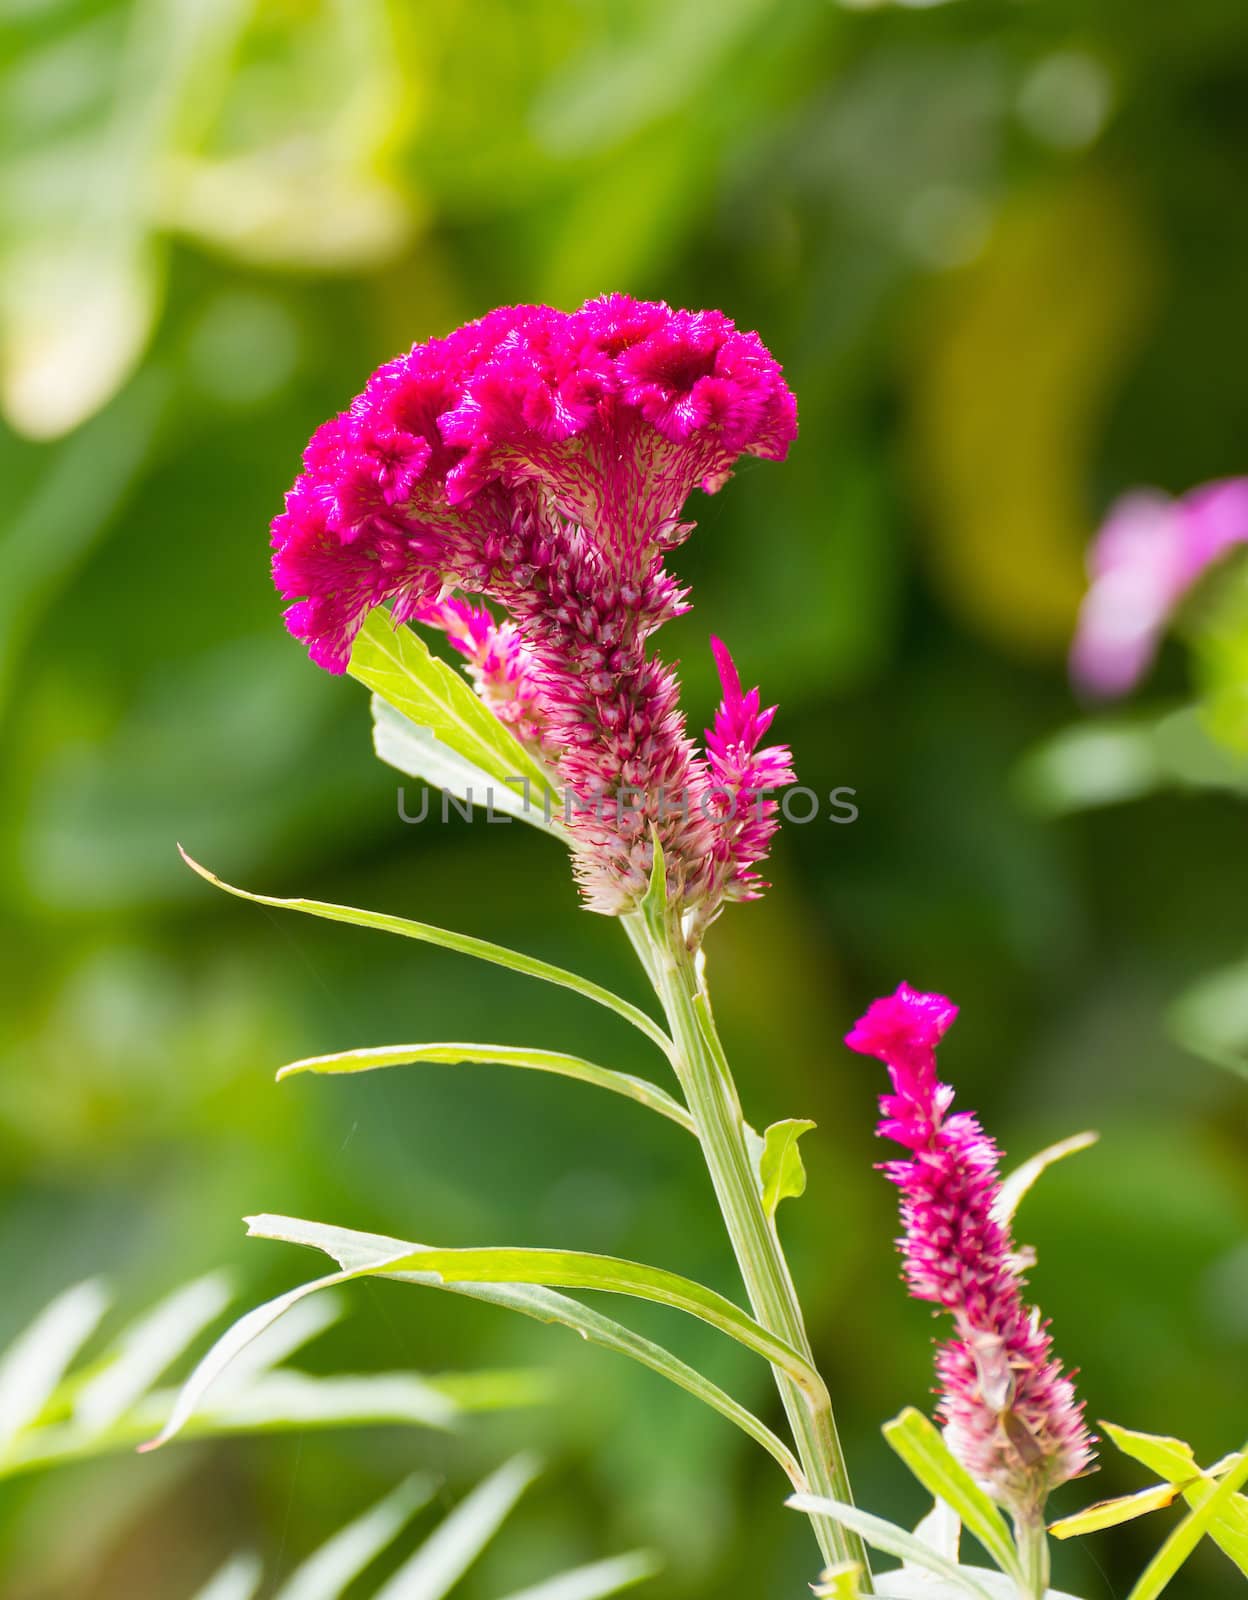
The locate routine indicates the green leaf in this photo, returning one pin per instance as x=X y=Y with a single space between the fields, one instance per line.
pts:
x=1210 y=1018
x=576 y=1269
x=238 y=1579
x=495 y=1389
x=352 y=1249
x=398 y=665
x=780 y=1166
x=654 y=907
x=421 y=754
x=299 y=1326
x=457 y=1541
x=232 y=1343
x=941 y=1530
x=1175 y=1461
x=146 y=1349
x=110 y=1405
x=327 y=1572
x=596 y=1581
x=920 y=1445
x=296 y=1400
x=892 y=1540
x=464 y=943
x=1099 y=762
x=908 y=1583
x=35 y=1362
x=400 y=1055
x=1019 y=1182
x=1170 y=1459
x=841 y=1582
x=1213 y=1502
x=1111 y=1513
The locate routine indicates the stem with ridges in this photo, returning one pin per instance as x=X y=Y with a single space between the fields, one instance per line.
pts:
x=1032 y=1539
x=711 y=1096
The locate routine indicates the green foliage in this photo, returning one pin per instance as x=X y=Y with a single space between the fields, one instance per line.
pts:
x=553 y=1061
x=780 y=1168
x=841 y=1582
x=1016 y=1185
x=894 y=1541
x=921 y=1447
x=434 y=1569
x=514 y=1278
x=482 y=949
x=1217 y=1509
x=403 y=672
x=907 y=203
x=53 y=1411
x=420 y=753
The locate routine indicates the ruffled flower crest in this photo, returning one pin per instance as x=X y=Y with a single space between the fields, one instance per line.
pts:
x=541 y=460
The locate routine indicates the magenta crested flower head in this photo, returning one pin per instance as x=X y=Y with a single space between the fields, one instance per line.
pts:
x=540 y=460
x=1010 y=1412
x=1150 y=552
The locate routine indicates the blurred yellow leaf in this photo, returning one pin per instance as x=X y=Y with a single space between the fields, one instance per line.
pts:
x=1016 y=356
x=1109 y=1513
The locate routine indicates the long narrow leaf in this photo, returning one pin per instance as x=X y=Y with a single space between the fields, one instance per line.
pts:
x=889 y=1538
x=574 y=1269
x=233 y=1342
x=295 y=1400
x=300 y=1325
x=147 y=1348
x=327 y=1571
x=1175 y=1461
x=907 y=1583
x=1016 y=1185
x=238 y=1579
x=596 y=1581
x=1111 y=1513
x=35 y=1362
x=287 y=1400
x=398 y=665
x=353 y=1249
x=919 y=1444
x=464 y=943
x=1184 y=1539
x=456 y=1543
x=565 y=1066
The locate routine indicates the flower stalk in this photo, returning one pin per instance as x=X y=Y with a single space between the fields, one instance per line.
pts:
x=1032 y=1539
x=705 y=1077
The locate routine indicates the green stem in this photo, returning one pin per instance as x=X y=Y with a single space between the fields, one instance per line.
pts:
x=712 y=1099
x=1032 y=1540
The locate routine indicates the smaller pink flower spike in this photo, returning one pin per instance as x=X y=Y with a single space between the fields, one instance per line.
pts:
x=500 y=664
x=743 y=778
x=1010 y=1412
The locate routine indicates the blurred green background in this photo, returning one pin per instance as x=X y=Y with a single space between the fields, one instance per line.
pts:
x=1000 y=248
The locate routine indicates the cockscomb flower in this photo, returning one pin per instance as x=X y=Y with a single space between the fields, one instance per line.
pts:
x=1149 y=554
x=541 y=460
x=1010 y=1411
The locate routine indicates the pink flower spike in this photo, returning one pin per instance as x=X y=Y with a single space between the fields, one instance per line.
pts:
x=1010 y=1412
x=1150 y=552
x=744 y=778
x=502 y=668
